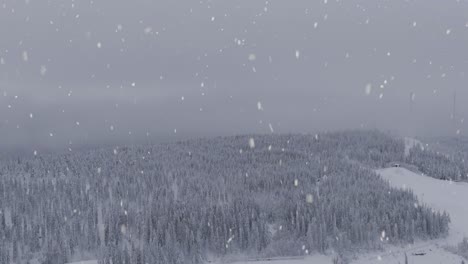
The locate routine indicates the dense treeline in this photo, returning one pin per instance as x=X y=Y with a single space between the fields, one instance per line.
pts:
x=438 y=165
x=190 y=201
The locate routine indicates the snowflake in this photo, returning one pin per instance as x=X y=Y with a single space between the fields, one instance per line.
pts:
x=43 y=70
x=25 y=56
x=259 y=106
x=368 y=89
x=251 y=143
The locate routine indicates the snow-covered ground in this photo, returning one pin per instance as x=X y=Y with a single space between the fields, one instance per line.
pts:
x=314 y=259
x=441 y=195
x=448 y=196
x=434 y=254
x=85 y=262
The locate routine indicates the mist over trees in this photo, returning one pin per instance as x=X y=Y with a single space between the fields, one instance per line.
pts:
x=190 y=201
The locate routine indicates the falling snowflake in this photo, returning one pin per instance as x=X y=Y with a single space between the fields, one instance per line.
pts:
x=259 y=106
x=25 y=56
x=148 y=30
x=43 y=70
x=251 y=143
x=271 y=128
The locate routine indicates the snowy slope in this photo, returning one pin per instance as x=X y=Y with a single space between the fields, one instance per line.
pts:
x=434 y=254
x=315 y=259
x=85 y=262
x=448 y=196
x=440 y=195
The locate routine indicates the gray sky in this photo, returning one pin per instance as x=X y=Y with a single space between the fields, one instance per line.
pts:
x=107 y=71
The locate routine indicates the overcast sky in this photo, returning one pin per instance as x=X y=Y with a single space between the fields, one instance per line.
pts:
x=85 y=72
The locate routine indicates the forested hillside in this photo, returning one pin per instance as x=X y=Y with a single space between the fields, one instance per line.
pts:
x=447 y=164
x=189 y=201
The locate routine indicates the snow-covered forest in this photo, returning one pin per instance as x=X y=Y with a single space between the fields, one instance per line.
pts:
x=233 y=132
x=198 y=200
x=439 y=165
